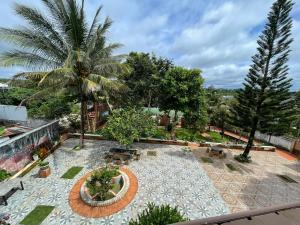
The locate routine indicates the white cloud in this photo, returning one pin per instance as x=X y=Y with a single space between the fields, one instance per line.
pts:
x=217 y=36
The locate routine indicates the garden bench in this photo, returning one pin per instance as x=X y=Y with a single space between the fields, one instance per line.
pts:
x=8 y=188
x=216 y=151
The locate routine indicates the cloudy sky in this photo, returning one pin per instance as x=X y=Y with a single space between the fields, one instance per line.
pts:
x=217 y=36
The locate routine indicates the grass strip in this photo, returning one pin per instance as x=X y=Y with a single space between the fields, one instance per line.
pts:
x=38 y=215
x=72 y=172
x=286 y=178
x=206 y=160
x=231 y=167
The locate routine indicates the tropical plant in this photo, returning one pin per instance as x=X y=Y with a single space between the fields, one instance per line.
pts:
x=264 y=102
x=129 y=125
x=64 y=54
x=4 y=175
x=158 y=215
x=100 y=183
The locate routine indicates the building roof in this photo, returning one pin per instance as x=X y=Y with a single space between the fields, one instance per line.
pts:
x=279 y=215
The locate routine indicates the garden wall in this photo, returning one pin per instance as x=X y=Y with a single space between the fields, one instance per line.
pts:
x=278 y=141
x=13 y=113
x=16 y=152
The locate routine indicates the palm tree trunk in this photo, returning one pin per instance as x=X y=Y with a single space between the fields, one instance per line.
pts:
x=82 y=114
x=251 y=138
x=109 y=107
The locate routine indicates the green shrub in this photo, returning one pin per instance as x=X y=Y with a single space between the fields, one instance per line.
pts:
x=217 y=137
x=43 y=164
x=158 y=215
x=4 y=175
x=188 y=135
x=128 y=125
x=2 y=131
x=161 y=134
x=100 y=183
x=242 y=158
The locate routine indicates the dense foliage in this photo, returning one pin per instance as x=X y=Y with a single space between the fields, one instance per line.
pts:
x=182 y=90
x=100 y=183
x=143 y=78
x=264 y=102
x=4 y=175
x=2 y=131
x=128 y=125
x=158 y=215
x=47 y=106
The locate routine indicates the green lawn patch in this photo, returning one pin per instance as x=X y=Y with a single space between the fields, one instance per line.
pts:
x=206 y=160
x=231 y=167
x=76 y=148
x=38 y=215
x=286 y=178
x=217 y=137
x=72 y=172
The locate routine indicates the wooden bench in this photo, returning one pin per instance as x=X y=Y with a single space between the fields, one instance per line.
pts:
x=8 y=188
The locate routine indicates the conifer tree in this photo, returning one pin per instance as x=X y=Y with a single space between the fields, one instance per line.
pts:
x=264 y=101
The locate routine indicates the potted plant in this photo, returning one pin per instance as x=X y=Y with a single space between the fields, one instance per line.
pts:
x=45 y=170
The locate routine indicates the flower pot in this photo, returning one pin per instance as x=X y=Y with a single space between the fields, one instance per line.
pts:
x=44 y=171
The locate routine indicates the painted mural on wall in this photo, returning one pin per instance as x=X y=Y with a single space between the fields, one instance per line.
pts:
x=17 y=153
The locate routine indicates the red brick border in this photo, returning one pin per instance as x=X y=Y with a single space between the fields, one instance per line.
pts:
x=80 y=207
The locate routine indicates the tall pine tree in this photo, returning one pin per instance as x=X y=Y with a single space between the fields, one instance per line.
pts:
x=264 y=101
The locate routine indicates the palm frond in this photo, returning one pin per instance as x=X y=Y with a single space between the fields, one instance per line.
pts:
x=41 y=24
x=26 y=59
x=56 y=78
x=94 y=25
x=33 y=41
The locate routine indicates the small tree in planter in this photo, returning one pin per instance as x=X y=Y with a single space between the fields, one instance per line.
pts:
x=129 y=125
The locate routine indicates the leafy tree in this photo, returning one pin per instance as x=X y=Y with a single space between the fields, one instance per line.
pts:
x=182 y=90
x=129 y=125
x=264 y=102
x=65 y=54
x=144 y=76
x=295 y=120
x=15 y=96
x=221 y=113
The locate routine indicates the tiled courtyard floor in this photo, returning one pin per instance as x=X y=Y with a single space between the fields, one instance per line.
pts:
x=256 y=185
x=170 y=177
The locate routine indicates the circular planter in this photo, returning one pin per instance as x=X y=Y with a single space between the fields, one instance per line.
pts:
x=87 y=198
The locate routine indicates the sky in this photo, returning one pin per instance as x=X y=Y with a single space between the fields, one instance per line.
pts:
x=217 y=36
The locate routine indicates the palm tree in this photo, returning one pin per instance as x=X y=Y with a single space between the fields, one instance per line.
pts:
x=62 y=52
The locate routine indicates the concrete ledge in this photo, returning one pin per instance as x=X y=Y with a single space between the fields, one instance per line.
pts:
x=177 y=142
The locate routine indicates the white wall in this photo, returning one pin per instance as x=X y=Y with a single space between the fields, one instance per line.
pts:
x=14 y=113
x=276 y=140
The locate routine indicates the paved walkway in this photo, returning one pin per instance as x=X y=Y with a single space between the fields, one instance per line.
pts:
x=172 y=177
x=254 y=185
x=281 y=152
